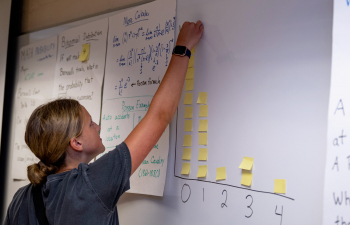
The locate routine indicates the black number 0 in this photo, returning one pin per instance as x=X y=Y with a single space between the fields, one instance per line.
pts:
x=185 y=200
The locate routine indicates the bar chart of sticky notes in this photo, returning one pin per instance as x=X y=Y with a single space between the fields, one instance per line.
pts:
x=200 y=131
x=195 y=150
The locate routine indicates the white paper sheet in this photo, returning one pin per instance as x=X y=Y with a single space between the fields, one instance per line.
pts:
x=337 y=183
x=140 y=44
x=34 y=87
x=82 y=80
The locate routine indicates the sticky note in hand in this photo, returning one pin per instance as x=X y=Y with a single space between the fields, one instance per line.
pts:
x=202 y=171
x=186 y=168
x=247 y=178
x=280 y=186
x=84 y=54
x=247 y=163
x=221 y=173
x=186 y=154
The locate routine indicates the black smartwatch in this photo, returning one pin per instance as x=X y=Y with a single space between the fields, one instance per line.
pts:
x=181 y=51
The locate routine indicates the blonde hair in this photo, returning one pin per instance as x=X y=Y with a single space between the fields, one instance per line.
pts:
x=48 y=133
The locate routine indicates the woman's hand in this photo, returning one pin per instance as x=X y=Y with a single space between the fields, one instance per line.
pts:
x=190 y=34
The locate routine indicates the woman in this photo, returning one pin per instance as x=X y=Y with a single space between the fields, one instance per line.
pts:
x=65 y=139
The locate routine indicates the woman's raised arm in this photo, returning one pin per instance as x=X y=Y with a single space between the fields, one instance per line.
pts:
x=164 y=103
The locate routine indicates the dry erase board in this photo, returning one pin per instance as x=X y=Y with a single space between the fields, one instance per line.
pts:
x=265 y=66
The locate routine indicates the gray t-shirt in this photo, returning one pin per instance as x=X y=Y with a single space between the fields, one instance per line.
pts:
x=87 y=195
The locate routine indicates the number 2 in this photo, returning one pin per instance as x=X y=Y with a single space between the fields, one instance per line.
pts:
x=224 y=204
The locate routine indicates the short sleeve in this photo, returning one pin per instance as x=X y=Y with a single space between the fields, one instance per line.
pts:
x=109 y=175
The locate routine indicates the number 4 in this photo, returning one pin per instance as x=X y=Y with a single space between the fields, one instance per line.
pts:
x=279 y=214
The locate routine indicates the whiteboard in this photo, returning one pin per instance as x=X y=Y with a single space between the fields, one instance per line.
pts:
x=140 y=42
x=78 y=80
x=266 y=68
x=33 y=88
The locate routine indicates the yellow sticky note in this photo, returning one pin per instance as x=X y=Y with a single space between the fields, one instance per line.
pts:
x=187 y=140
x=189 y=85
x=84 y=54
x=203 y=111
x=186 y=168
x=280 y=186
x=188 y=112
x=221 y=173
x=188 y=125
x=247 y=178
x=190 y=74
x=202 y=98
x=202 y=171
x=188 y=98
x=186 y=154
x=191 y=61
x=203 y=154
x=203 y=125
x=203 y=138
x=247 y=163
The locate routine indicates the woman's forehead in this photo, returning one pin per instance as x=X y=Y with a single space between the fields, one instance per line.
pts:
x=86 y=114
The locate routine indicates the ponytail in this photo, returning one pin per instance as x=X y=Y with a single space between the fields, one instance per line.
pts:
x=37 y=173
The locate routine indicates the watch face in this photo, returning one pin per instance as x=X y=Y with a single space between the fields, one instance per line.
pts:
x=180 y=50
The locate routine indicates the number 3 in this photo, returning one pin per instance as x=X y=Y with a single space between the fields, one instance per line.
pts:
x=249 y=207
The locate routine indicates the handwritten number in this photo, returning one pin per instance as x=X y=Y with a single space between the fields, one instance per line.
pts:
x=279 y=214
x=224 y=204
x=249 y=207
x=203 y=194
x=188 y=186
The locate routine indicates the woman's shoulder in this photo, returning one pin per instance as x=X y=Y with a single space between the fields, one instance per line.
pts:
x=22 y=193
x=19 y=208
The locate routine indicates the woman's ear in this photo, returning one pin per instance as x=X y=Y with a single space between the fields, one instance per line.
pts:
x=76 y=144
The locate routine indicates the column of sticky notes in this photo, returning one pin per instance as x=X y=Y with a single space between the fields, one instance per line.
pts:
x=188 y=126
x=247 y=176
x=202 y=133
